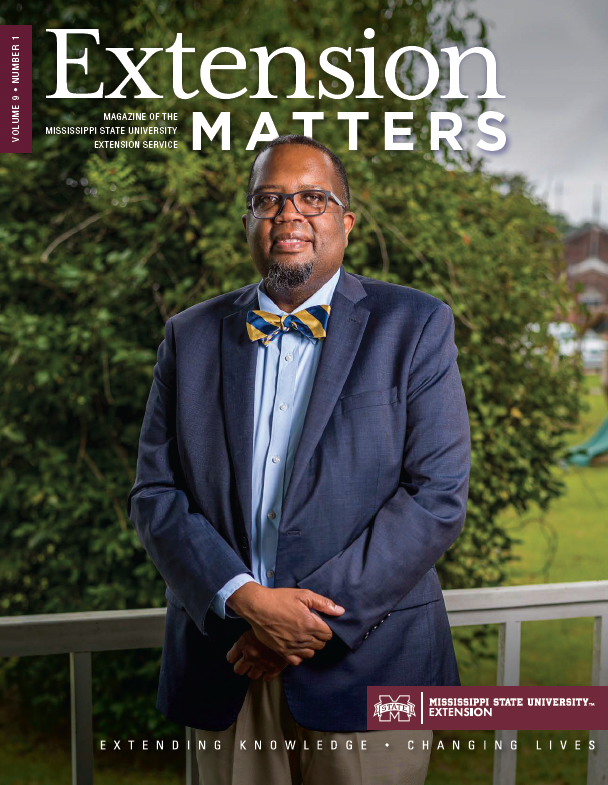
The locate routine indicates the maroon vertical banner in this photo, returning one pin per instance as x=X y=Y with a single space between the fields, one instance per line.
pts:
x=15 y=89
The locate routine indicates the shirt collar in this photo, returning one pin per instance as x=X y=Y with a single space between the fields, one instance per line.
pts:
x=321 y=297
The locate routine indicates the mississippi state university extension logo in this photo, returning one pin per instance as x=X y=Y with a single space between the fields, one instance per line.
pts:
x=389 y=708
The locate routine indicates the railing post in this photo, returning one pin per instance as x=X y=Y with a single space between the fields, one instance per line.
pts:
x=81 y=702
x=191 y=764
x=509 y=648
x=597 y=761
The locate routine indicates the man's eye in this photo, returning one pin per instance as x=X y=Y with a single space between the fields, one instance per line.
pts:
x=311 y=197
x=266 y=199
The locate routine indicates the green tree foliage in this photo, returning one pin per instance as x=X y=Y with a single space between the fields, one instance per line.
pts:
x=100 y=247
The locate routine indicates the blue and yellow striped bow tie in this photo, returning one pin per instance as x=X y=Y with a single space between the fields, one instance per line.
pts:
x=311 y=322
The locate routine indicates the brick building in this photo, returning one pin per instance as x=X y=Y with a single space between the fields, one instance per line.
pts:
x=586 y=253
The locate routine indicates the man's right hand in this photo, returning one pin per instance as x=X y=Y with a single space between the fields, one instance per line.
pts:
x=284 y=619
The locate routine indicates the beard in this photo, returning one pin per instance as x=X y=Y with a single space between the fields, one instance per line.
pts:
x=282 y=276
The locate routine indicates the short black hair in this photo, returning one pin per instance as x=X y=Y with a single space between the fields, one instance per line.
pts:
x=308 y=142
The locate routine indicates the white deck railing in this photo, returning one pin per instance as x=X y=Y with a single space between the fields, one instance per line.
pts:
x=79 y=634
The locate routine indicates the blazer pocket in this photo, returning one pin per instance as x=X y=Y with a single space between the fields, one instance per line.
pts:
x=428 y=589
x=367 y=398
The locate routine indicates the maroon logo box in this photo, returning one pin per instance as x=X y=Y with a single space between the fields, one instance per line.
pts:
x=487 y=708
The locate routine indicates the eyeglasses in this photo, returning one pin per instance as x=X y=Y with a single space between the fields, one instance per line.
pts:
x=270 y=205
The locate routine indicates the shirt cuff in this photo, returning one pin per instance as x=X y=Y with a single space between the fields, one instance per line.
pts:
x=219 y=601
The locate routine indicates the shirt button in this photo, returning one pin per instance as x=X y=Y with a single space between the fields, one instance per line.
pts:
x=269 y=573
x=289 y=357
x=283 y=406
x=272 y=515
x=276 y=459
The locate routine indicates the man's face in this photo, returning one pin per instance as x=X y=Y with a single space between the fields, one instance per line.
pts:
x=293 y=252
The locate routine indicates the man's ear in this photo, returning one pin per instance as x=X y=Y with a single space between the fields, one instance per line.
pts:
x=349 y=221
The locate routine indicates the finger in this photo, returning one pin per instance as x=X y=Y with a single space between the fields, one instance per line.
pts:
x=262 y=652
x=264 y=661
x=321 y=603
x=318 y=627
x=241 y=667
x=314 y=643
x=293 y=659
x=233 y=655
x=274 y=660
x=306 y=653
x=255 y=673
x=309 y=642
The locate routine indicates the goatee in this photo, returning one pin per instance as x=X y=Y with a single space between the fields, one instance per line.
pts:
x=286 y=276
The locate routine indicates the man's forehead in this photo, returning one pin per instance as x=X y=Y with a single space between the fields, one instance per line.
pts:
x=306 y=165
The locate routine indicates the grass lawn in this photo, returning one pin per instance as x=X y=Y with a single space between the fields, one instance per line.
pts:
x=553 y=653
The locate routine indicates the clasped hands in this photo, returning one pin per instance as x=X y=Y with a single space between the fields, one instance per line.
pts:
x=284 y=628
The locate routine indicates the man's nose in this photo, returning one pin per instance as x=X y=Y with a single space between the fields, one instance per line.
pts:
x=289 y=212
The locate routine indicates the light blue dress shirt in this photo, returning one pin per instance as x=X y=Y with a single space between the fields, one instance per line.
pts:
x=284 y=378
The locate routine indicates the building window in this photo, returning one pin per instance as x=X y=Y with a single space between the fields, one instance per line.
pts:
x=591 y=297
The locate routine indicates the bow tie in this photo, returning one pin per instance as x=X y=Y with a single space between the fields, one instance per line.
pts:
x=311 y=322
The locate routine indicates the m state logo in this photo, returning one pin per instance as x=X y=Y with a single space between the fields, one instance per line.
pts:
x=394 y=709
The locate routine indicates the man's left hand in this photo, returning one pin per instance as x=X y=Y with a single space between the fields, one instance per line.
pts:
x=249 y=652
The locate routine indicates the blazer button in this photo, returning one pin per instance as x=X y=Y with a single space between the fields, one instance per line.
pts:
x=366 y=635
x=375 y=627
x=387 y=615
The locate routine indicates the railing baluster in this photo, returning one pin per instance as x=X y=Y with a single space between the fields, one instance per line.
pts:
x=191 y=765
x=81 y=701
x=509 y=651
x=597 y=761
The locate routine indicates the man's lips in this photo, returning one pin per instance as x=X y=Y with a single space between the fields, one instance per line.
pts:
x=290 y=244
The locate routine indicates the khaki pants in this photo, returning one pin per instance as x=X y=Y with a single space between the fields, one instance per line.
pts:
x=391 y=757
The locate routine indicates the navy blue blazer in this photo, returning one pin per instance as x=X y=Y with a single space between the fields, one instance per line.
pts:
x=377 y=494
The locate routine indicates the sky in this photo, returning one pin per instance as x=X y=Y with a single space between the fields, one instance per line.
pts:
x=552 y=66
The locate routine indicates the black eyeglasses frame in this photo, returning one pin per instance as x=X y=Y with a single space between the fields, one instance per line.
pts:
x=284 y=197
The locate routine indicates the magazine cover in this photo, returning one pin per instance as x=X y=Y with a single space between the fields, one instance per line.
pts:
x=304 y=428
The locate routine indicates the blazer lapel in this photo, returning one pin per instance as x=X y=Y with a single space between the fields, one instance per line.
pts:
x=347 y=321
x=239 y=360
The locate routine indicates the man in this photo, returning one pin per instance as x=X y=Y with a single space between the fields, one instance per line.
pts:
x=304 y=461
